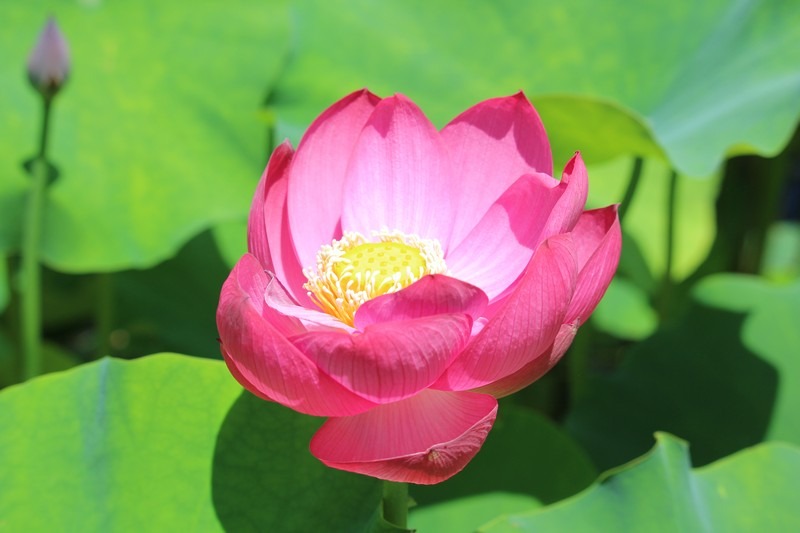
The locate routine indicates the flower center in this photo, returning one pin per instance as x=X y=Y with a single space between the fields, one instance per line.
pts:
x=353 y=270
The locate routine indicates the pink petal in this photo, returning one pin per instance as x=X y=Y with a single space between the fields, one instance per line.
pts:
x=399 y=175
x=491 y=145
x=268 y=236
x=263 y=360
x=598 y=242
x=575 y=189
x=318 y=173
x=431 y=295
x=499 y=248
x=291 y=319
x=424 y=439
x=389 y=361
x=535 y=369
x=524 y=326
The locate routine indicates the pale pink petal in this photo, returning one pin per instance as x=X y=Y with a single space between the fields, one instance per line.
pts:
x=424 y=439
x=389 y=361
x=281 y=309
x=399 y=175
x=267 y=363
x=575 y=189
x=598 y=241
x=491 y=145
x=526 y=324
x=268 y=235
x=498 y=249
x=431 y=295
x=318 y=173
x=538 y=367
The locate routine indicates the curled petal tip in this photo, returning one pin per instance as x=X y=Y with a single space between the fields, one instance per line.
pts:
x=48 y=64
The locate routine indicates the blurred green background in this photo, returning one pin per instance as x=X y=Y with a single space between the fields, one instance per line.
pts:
x=161 y=134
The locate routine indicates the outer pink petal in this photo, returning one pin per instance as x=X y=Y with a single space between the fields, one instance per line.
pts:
x=424 y=439
x=526 y=324
x=389 y=361
x=399 y=175
x=492 y=144
x=575 y=189
x=499 y=248
x=268 y=235
x=431 y=295
x=264 y=360
x=318 y=173
x=598 y=241
x=540 y=365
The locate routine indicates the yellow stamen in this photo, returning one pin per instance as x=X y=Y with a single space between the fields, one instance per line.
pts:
x=352 y=270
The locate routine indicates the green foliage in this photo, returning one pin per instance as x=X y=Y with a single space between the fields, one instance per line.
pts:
x=156 y=133
x=752 y=491
x=165 y=443
x=725 y=83
x=724 y=377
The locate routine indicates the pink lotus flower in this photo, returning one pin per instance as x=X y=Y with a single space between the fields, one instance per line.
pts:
x=401 y=279
x=48 y=64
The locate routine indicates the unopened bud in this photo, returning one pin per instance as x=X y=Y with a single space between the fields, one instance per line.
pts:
x=48 y=64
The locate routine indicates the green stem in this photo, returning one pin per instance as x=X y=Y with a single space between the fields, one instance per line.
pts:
x=633 y=183
x=666 y=285
x=31 y=293
x=395 y=503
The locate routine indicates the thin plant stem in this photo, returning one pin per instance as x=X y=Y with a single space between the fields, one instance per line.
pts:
x=633 y=183
x=31 y=292
x=667 y=285
x=395 y=503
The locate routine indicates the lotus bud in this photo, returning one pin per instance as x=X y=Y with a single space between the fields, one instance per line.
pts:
x=48 y=64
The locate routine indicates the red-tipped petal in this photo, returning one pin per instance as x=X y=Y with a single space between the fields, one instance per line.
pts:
x=540 y=365
x=318 y=173
x=389 y=361
x=575 y=189
x=598 y=241
x=424 y=439
x=264 y=361
x=526 y=323
x=399 y=175
x=431 y=295
x=491 y=145
x=268 y=235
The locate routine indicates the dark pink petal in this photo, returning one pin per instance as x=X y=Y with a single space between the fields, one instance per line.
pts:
x=598 y=242
x=265 y=362
x=491 y=145
x=574 y=187
x=389 y=361
x=540 y=365
x=499 y=248
x=268 y=235
x=431 y=295
x=524 y=326
x=424 y=439
x=399 y=176
x=318 y=173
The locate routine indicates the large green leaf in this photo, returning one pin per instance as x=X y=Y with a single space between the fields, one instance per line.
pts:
x=692 y=81
x=164 y=443
x=726 y=376
x=754 y=490
x=771 y=332
x=156 y=134
x=697 y=379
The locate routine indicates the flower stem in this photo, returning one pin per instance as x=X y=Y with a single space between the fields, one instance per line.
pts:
x=633 y=183
x=395 y=503
x=104 y=314
x=666 y=285
x=31 y=275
